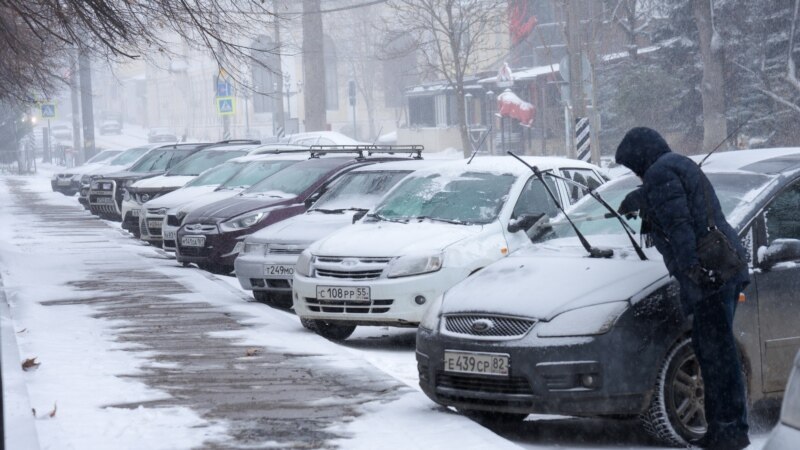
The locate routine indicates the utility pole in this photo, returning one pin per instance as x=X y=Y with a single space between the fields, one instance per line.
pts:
x=314 y=101
x=278 y=118
x=577 y=108
x=87 y=108
x=76 y=106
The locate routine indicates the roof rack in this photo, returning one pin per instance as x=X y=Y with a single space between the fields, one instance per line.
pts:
x=414 y=151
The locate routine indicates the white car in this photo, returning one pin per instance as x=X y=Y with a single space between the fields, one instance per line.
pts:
x=786 y=435
x=431 y=231
x=68 y=182
x=159 y=218
x=266 y=265
x=121 y=162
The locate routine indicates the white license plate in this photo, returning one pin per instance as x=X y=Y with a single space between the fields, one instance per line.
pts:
x=280 y=269
x=134 y=213
x=64 y=182
x=104 y=200
x=193 y=241
x=496 y=364
x=154 y=223
x=343 y=293
x=169 y=235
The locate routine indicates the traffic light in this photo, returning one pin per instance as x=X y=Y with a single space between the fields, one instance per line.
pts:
x=351 y=92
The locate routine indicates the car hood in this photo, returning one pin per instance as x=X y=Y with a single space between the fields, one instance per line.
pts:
x=180 y=197
x=303 y=229
x=547 y=279
x=126 y=175
x=389 y=239
x=229 y=208
x=207 y=199
x=162 y=181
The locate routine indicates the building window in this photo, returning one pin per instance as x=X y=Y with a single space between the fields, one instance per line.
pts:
x=331 y=76
x=421 y=111
x=264 y=66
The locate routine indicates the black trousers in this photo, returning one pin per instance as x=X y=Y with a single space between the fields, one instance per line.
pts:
x=715 y=347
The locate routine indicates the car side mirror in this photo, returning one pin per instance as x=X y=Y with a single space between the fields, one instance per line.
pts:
x=779 y=251
x=524 y=222
x=358 y=216
x=312 y=199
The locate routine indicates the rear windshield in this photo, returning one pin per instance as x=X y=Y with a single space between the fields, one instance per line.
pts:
x=254 y=172
x=128 y=156
x=103 y=156
x=204 y=160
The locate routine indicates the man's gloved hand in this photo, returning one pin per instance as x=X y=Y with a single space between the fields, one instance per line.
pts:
x=632 y=204
x=704 y=278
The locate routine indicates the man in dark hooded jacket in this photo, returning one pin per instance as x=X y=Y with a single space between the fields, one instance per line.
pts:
x=672 y=198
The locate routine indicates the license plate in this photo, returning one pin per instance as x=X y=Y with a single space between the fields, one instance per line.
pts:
x=104 y=200
x=283 y=269
x=64 y=182
x=193 y=241
x=496 y=364
x=169 y=235
x=134 y=213
x=360 y=294
x=154 y=223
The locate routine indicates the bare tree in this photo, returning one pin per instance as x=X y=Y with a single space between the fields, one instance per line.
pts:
x=453 y=39
x=633 y=17
x=712 y=88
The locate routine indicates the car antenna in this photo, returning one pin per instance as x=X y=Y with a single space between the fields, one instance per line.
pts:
x=730 y=135
x=480 y=144
x=378 y=136
x=594 y=252
x=610 y=214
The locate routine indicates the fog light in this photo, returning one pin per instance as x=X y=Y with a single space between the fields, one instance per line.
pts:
x=420 y=300
x=588 y=380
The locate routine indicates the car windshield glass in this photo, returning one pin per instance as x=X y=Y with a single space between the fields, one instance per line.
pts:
x=358 y=190
x=733 y=190
x=129 y=156
x=203 y=160
x=217 y=175
x=467 y=197
x=290 y=182
x=254 y=172
x=153 y=161
x=103 y=156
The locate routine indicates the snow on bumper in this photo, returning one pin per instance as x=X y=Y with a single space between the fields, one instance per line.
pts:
x=393 y=301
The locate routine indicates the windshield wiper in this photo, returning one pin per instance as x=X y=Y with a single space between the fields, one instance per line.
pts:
x=611 y=212
x=594 y=252
x=386 y=219
x=330 y=211
x=439 y=219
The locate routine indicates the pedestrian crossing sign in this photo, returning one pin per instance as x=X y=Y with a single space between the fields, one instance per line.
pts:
x=48 y=110
x=226 y=106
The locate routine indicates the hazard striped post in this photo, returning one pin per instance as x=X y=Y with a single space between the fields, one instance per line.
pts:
x=583 y=138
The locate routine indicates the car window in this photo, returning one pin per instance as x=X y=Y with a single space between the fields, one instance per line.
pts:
x=585 y=177
x=203 y=160
x=467 y=197
x=129 y=156
x=102 y=156
x=290 y=182
x=254 y=172
x=148 y=161
x=359 y=190
x=217 y=175
x=534 y=199
x=782 y=217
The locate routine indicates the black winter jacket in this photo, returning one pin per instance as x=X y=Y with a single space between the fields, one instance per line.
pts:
x=674 y=189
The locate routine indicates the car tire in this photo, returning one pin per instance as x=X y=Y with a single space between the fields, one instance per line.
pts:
x=278 y=301
x=494 y=417
x=679 y=386
x=333 y=331
x=308 y=324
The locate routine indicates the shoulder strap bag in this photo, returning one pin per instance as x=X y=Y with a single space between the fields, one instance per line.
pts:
x=714 y=249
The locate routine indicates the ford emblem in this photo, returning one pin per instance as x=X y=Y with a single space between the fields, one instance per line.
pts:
x=482 y=325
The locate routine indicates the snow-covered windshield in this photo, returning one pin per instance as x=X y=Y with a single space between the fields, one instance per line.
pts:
x=254 y=172
x=128 y=156
x=358 y=190
x=103 y=156
x=157 y=160
x=468 y=198
x=290 y=182
x=217 y=175
x=733 y=189
x=203 y=160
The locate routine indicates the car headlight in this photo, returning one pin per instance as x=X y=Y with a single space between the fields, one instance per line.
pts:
x=254 y=248
x=304 y=263
x=129 y=182
x=243 y=221
x=144 y=198
x=586 y=321
x=790 y=413
x=405 y=266
x=430 y=320
x=160 y=212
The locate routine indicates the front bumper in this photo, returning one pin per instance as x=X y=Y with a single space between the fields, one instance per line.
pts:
x=392 y=300
x=130 y=216
x=252 y=274
x=218 y=248
x=547 y=375
x=104 y=199
x=65 y=185
x=83 y=196
x=151 y=226
x=169 y=233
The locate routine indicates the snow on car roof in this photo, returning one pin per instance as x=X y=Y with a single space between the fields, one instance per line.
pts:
x=411 y=164
x=507 y=164
x=334 y=136
x=231 y=147
x=740 y=159
x=270 y=156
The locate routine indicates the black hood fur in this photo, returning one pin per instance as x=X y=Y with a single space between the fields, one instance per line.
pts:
x=640 y=148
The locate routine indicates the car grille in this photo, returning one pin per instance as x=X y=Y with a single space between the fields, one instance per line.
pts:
x=193 y=251
x=282 y=249
x=348 y=306
x=350 y=268
x=498 y=385
x=168 y=244
x=173 y=221
x=498 y=326
x=154 y=231
x=200 y=228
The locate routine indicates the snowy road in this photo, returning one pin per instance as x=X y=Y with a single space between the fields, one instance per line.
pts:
x=137 y=352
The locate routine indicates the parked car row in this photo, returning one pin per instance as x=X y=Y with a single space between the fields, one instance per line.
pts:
x=529 y=296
